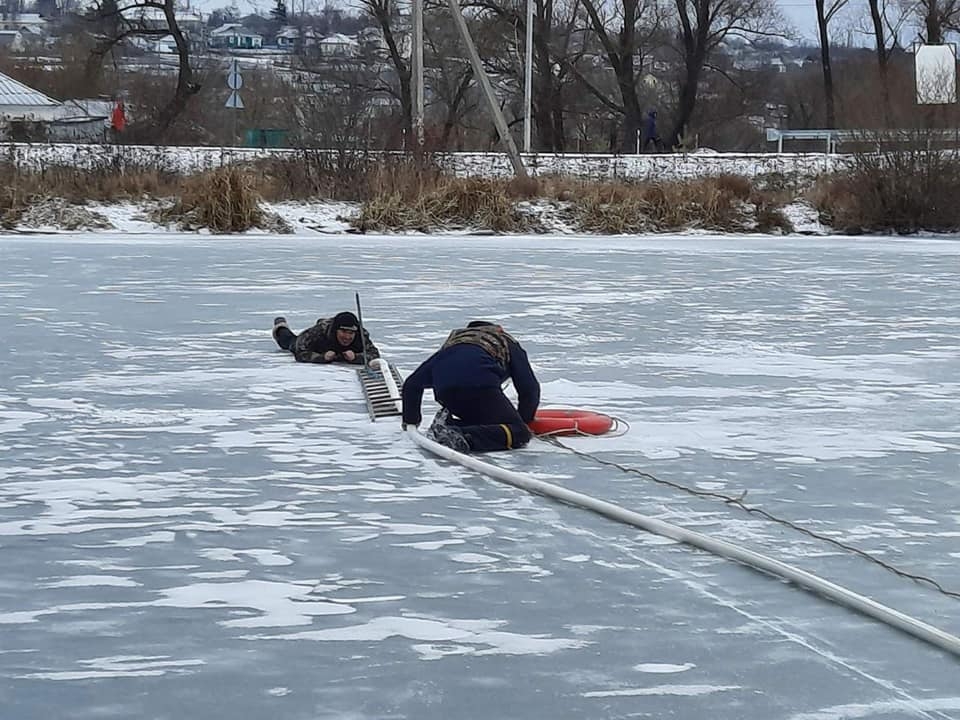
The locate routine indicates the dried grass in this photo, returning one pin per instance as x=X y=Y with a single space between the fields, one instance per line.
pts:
x=403 y=192
x=727 y=203
x=224 y=200
x=353 y=176
x=16 y=192
x=477 y=203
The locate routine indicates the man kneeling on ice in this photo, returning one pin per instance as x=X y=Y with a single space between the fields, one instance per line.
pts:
x=336 y=339
x=467 y=375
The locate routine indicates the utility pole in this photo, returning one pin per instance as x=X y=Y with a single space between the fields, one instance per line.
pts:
x=416 y=70
x=528 y=79
x=501 y=124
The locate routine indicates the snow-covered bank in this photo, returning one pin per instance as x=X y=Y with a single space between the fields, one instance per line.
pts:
x=303 y=218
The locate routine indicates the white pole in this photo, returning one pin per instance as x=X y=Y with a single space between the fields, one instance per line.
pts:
x=416 y=71
x=839 y=594
x=528 y=79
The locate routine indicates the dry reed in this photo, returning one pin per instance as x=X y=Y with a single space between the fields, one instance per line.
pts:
x=224 y=200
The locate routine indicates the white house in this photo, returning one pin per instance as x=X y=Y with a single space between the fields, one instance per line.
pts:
x=189 y=21
x=26 y=109
x=338 y=45
x=234 y=36
x=30 y=23
x=288 y=38
x=371 y=40
x=11 y=41
x=149 y=43
x=20 y=102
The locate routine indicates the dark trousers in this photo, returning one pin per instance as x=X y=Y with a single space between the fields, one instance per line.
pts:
x=285 y=338
x=486 y=417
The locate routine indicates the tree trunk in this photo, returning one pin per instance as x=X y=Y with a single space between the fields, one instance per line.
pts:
x=544 y=138
x=620 y=55
x=559 y=129
x=694 y=41
x=694 y=61
x=883 y=56
x=380 y=12
x=453 y=110
x=632 y=112
x=934 y=23
x=825 y=65
x=186 y=87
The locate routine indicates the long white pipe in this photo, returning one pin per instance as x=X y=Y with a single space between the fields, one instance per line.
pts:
x=841 y=595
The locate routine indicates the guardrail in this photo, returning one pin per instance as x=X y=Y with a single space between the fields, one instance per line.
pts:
x=832 y=137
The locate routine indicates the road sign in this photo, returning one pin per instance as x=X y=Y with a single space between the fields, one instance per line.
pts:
x=234 y=78
x=234 y=101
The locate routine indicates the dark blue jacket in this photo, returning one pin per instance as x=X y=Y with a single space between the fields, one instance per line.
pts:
x=470 y=366
x=650 y=127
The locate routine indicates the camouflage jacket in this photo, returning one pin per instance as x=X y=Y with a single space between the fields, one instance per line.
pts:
x=314 y=342
x=494 y=339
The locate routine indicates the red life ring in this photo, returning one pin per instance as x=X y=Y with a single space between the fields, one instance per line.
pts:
x=550 y=421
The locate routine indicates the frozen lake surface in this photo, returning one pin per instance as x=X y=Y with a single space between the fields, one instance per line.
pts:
x=195 y=526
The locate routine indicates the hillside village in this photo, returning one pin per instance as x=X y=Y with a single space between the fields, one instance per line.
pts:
x=331 y=34
x=330 y=78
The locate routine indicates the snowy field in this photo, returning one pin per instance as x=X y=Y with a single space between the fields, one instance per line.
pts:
x=194 y=526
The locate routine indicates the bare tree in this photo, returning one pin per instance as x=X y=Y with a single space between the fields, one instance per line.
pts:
x=554 y=23
x=639 y=21
x=885 y=26
x=703 y=25
x=938 y=17
x=449 y=75
x=825 y=13
x=341 y=118
x=150 y=18
x=384 y=13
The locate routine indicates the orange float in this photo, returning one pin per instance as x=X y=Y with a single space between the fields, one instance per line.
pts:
x=559 y=421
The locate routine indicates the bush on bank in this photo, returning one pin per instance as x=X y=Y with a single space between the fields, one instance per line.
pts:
x=907 y=191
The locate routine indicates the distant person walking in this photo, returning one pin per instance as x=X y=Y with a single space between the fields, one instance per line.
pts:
x=651 y=138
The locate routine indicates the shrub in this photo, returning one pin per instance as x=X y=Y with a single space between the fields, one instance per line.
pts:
x=726 y=203
x=474 y=202
x=907 y=190
x=345 y=175
x=224 y=200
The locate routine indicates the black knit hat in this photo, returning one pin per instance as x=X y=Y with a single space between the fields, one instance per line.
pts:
x=345 y=321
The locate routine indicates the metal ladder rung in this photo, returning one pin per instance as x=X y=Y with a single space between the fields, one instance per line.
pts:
x=380 y=403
